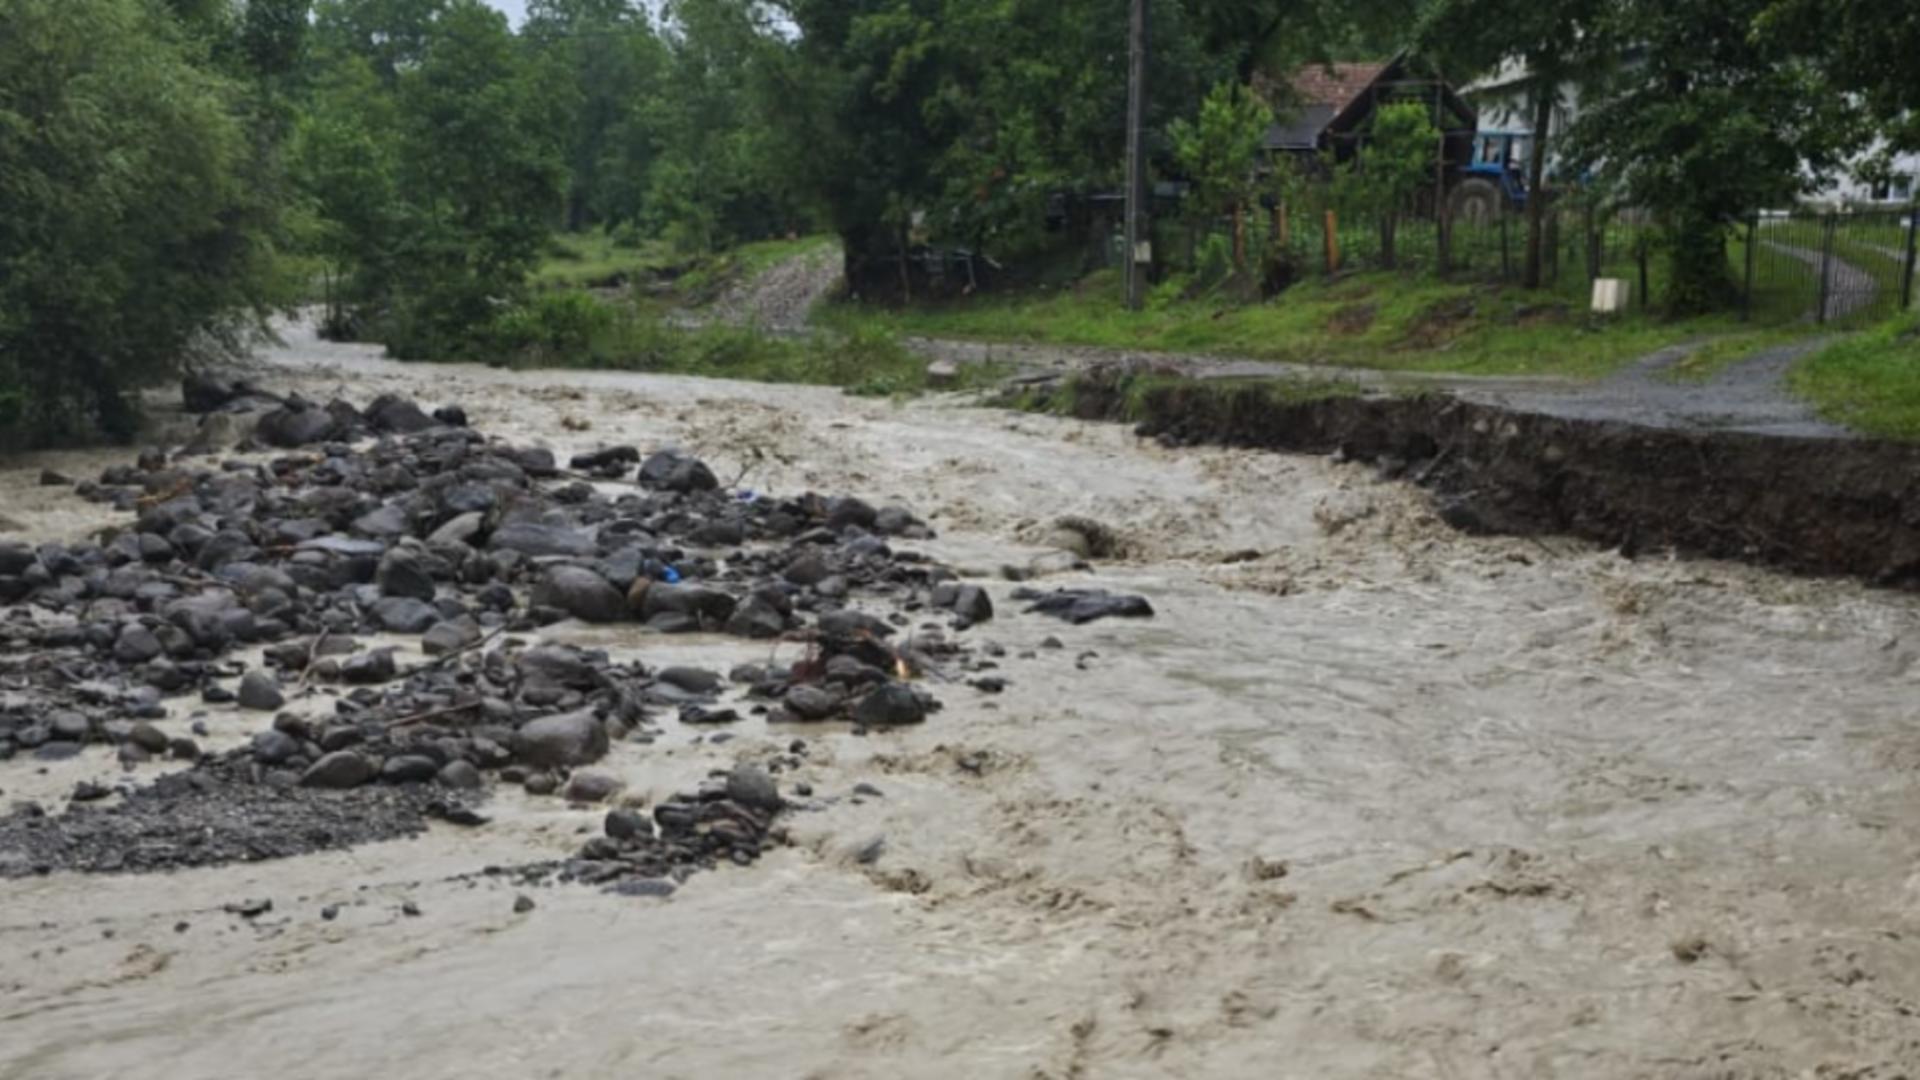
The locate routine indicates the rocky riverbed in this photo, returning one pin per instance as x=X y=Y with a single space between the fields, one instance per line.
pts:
x=1394 y=799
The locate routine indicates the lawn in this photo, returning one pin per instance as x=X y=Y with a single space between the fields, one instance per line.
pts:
x=1380 y=320
x=1869 y=382
x=597 y=260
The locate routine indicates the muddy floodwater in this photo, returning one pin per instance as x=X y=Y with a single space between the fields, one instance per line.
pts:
x=1366 y=798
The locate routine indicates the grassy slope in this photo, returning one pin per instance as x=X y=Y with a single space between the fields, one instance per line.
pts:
x=582 y=260
x=1869 y=382
x=1372 y=320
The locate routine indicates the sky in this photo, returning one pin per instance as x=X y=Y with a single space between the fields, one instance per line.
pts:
x=515 y=9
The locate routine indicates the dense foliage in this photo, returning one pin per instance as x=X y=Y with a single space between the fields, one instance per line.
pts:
x=173 y=168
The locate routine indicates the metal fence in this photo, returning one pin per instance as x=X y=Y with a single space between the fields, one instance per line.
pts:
x=1842 y=267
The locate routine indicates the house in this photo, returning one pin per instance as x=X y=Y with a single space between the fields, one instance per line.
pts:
x=1502 y=99
x=1324 y=110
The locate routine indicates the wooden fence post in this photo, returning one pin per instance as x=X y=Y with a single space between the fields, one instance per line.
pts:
x=1506 y=257
x=1332 y=244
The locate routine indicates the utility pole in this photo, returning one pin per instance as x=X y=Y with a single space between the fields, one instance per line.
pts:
x=1138 y=237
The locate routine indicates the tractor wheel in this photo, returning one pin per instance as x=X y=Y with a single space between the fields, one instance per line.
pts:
x=1475 y=201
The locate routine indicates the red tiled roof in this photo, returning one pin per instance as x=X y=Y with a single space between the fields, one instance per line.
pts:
x=1336 y=85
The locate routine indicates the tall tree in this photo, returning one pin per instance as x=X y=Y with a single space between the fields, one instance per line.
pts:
x=1219 y=152
x=1866 y=47
x=1706 y=125
x=608 y=51
x=132 y=231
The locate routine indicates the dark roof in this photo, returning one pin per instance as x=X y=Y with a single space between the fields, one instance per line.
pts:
x=1299 y=128
x=1334 y=84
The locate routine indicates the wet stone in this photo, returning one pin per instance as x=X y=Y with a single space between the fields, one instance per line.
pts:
x=260 y=691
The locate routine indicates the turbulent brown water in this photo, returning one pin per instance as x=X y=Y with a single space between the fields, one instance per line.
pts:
x=1368 y=798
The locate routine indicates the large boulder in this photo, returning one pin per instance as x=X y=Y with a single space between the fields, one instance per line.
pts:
x=340 y=769
x=401 y=573
x=404 y=614
x=696 y=602
x=575 y=738
x=297 y=423
x=671 y=470
x=393 y=413
x=579 y=592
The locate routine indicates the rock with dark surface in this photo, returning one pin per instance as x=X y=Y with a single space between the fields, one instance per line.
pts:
x=402 y=573
x=203 y=393
x=149 y=738
x=15 y=557
x=575 y=738
x=1085 y=605
x=704 y=604
x=672 y=470
x=369 y=668
x=403 y=614
x=296 y=424
x=450 y=635
x=756 y=618
x=529 y=538
x=627 y=824
x=691 y=679
x=136 y=645
x=589 y=786
x=394 y=414
x=613 y=459
x=272 y=747
x=811 y=702
x=848 y=510
x=408 y=769
x=451 y=415
x=808 y=569
x=459 y=529
x=260 y=691
x=750 y=786
x=340 y=769
x=580 y=593
x=889 y=704
x=970 y=602
x=460 y=776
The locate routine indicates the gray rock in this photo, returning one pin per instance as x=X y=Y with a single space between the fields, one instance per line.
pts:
x=445 y=637
x=68 y=726
x=461 y=529
x=575 y=738
x=369 y=667
x=808 y=569
x=408 y=769
x=756 y=618
x=537 y=540
x=403 y=614
x=811 y=702
x=698 y=602
x=625 y=824
x=972 y=603
x=588 y=786
x=888 y=704
x=272 y=747
x=691 y=679
x=750 y=786
x=295 y=424
x=136 y=645
x=340 y=769
x=393 y=413
x=402 y=573
x=672 y=470
x=581 y=593
x=460 y=775
x=260 y=690
x=149 y=738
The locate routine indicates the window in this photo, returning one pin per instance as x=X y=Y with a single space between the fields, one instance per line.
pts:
x=1902 y=187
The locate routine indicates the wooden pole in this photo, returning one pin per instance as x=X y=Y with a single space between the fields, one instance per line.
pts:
x=1333 y=244
x=1137 y=232
x=1826 y=268
x=1746 y=298
x=1906 y=282
x=1285 y=222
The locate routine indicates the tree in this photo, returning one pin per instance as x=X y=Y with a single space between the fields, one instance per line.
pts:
x=1710 y=124
x=134 y=231
x=1392 y=164
x=1219 y=152
x=1865 y=47
x=1558 y=43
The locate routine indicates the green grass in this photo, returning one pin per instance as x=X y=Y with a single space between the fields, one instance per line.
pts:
x=1869 y=382
x=571 y=329
x=1380 y=321
x=595 y=260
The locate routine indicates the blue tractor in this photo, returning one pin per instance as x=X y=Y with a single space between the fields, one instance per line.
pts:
x=1494 y=180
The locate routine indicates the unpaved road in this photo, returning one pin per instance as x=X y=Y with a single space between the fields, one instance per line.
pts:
x=1384 y=801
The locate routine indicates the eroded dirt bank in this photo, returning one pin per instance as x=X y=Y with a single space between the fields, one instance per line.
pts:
x=1811 y=505
x=1367 y=798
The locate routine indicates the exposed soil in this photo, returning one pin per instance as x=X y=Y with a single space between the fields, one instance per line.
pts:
x=1815 y=506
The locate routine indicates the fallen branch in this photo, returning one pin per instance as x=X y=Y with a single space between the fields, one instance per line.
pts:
x=448 y=657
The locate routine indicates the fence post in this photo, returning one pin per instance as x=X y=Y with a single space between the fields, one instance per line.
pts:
x=1640 y=256
x=1746 y=297
x=1826 y=265
x=1331 y=227
x=1906 y=282
x=1506 y=258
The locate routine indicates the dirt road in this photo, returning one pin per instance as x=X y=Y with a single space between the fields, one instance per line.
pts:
x=1367 y=798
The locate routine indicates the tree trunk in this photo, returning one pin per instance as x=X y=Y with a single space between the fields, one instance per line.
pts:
x=1537 y=172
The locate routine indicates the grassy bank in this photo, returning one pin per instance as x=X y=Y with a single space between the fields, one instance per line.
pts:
x=572 y=329
x=1381 y=321
x=653 y=270
x=1869 y=382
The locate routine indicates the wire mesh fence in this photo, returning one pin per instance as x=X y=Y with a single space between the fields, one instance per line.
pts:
x=1838 y=267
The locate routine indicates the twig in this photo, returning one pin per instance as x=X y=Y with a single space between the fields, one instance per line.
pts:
x=313 y=653
x=449 y=657
x=432 y=714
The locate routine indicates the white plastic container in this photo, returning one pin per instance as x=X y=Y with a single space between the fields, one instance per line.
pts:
x=1609 y=295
